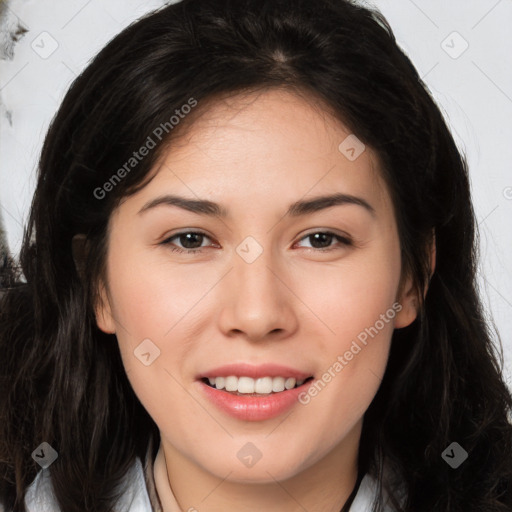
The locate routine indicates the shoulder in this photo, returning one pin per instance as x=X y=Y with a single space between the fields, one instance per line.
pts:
x=40 y=497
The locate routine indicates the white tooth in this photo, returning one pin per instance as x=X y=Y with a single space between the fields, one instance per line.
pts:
x=263 y=385
x=290 y=383
x=231 y=383
x=245 y=385
x=277 y=384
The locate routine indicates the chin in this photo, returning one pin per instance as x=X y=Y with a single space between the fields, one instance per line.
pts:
x=267 y=469
x=263 y=474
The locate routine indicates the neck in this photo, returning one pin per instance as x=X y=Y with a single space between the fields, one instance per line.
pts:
x=324 y=486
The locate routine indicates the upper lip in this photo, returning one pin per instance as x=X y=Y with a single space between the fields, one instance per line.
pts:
x=255 y=372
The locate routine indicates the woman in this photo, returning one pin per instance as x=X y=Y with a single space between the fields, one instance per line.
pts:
x=176 y=345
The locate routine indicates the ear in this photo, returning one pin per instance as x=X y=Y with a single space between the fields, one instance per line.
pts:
x=408 y=298
x=104 y=319
x=103 y=312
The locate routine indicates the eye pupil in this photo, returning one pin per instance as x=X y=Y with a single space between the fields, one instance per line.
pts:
x=189 y=237
x=322 y=237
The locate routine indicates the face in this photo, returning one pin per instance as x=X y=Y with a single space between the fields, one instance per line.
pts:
x=271 y=285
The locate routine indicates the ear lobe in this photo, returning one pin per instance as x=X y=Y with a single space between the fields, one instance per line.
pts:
x=409 y=303
x=409 y=298
x=103 y=312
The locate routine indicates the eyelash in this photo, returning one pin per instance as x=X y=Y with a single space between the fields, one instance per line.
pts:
x=346 y=241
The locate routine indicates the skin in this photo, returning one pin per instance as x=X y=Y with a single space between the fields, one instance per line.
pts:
x=296 y=304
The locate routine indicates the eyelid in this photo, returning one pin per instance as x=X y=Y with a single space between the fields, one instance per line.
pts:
x=195 y=231
x=344 y=240
x=185 y=232
x=329 y=231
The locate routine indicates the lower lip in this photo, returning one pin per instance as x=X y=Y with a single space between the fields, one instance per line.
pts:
x=254 y=408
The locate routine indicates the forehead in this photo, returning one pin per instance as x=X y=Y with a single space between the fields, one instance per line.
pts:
x=265 y=146
x=272 y=122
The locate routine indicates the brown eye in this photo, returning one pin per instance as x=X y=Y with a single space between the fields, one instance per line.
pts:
x=322 y=240
x=191 y=241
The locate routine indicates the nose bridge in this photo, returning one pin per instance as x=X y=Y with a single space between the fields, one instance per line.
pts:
x=254 y=266
x=259 y=302
x=257 y=273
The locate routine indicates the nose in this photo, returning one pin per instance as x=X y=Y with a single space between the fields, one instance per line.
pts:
x=257 y=299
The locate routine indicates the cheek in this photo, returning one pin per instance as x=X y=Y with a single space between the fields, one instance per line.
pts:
x=357 y=311
x=153 y=301
x=151 y=297
x=351 y=298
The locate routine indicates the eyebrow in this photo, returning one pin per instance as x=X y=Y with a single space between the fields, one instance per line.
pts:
x=299 y=208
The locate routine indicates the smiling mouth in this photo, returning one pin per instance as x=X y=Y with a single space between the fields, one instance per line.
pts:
x=246 y=386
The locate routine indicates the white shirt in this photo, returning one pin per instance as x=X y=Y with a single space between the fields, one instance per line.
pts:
x=39 y=497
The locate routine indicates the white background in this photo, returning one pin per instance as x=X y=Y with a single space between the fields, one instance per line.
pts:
x=473 y=88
